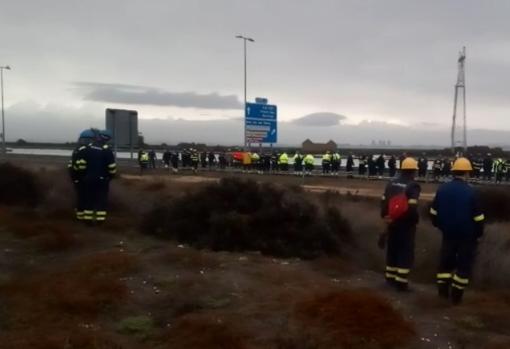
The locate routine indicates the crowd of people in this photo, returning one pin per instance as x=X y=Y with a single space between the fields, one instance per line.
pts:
x=332 y=163
x=455 y=210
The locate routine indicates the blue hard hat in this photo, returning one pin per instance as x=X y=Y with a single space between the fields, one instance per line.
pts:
x=105 y=134
x=88 y=133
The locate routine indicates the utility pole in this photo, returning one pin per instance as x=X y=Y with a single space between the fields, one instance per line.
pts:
x=4 y=148
x=460 y=86
x=244 y=38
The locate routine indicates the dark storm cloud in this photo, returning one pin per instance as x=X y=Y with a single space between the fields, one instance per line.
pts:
x=142 y=95
x=319 y=119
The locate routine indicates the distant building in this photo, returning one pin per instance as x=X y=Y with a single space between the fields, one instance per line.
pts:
x=317 y=148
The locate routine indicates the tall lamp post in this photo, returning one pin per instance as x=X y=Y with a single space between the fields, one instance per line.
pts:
x=6 y=67
x=244 y=38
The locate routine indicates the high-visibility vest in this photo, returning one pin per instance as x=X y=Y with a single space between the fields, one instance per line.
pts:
x=309 y=159
x=283 y=159
x=499 y=166
x=326 y=158
x=144 y=157
x=246 y=158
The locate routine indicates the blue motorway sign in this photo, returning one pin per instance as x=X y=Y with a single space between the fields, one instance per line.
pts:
x=261 y=123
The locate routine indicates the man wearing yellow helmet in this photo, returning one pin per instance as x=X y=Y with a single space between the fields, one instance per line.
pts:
x=456 y=212
x=399 y=209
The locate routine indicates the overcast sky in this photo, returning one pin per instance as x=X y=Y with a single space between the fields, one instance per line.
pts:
x=330 y=66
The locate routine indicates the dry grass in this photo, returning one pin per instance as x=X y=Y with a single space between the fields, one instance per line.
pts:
x=492 y=309
x=221 y=300
x=48 y=235
x=55 y=304
x=351 y=319
x=154 y=186
x=189 y=259
x=492 y=268
x=214 y=333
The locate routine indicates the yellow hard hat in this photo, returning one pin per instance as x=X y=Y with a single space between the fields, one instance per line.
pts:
x=409 y=164
x=462 y=164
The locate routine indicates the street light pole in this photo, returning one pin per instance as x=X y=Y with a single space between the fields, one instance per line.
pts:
x=4 y=148
x=244 y=38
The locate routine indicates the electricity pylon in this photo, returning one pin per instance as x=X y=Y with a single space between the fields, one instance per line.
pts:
x=460 y=87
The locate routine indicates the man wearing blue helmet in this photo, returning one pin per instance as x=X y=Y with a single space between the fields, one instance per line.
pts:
x=99 y=168
x=76 y=167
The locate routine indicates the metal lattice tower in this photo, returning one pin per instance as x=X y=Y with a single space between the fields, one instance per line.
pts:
x=460 y=90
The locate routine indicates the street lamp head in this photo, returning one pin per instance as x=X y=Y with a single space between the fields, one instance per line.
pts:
x=250 y=39
x=7 y=67
x=239 y=37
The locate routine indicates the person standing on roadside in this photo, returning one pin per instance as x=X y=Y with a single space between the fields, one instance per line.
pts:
x=362 y=166
x=174 y=160
x=399 y=209
x=326 y=163
x=167 y=155
x=456 y=212
x=380 y=165
x=152 y=159
x=143 y=160
x=100 y=169
x=392 y=166
x=423 y=164
x=194 y=159
x=487 y=167
x=350 y=165
x=298 y=163
x=76 y=168
x=309 y=161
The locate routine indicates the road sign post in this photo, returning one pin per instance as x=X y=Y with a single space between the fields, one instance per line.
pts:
x=261 y=123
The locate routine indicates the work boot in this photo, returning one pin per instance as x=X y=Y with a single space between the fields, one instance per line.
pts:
x=443 y=290
x=457 y=296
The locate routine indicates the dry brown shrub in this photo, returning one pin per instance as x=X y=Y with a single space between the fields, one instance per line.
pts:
x=19 y=186
x=495 y=202
x=54 y=304
x=352 y=319
x=202 y=331
x=48 y=235
x=244 y=215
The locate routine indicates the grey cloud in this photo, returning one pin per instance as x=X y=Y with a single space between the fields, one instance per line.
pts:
x=381 y=59
x=142 y=95
x=322 y=119
x=66 y=123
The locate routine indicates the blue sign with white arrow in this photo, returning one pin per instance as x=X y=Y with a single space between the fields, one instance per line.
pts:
x=261 y=123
